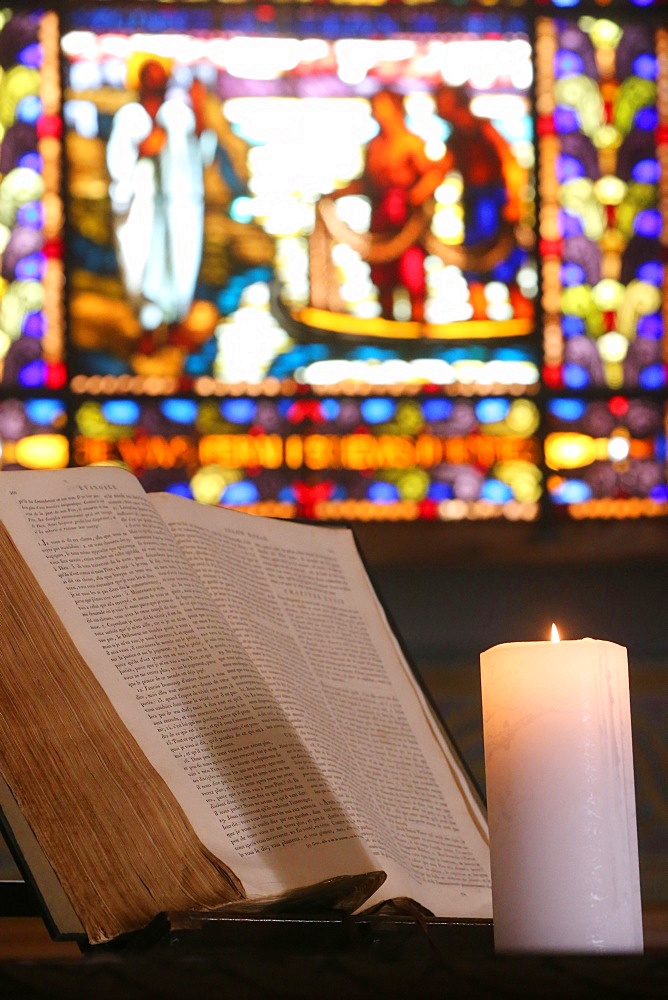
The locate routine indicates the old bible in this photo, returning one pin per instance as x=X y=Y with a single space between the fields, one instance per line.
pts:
x=202 y=708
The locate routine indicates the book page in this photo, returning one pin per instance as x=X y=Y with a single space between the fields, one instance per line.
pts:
x=300 y=601
x=179 y=678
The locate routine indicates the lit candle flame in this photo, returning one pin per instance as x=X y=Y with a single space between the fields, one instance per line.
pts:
x=555 y=633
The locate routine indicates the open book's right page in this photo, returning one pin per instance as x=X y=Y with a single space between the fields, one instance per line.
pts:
x=301 y=602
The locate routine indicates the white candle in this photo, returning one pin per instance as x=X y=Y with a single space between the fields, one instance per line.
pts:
x=560 y=797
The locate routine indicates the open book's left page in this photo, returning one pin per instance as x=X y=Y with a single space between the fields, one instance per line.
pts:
x=137 y=617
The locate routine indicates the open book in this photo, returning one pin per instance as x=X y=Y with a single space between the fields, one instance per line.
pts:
x=200 y=707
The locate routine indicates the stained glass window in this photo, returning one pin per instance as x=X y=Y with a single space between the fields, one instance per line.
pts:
x=353 y=212
x=31 y=322
x=33 y=431
x=602 y=216
x=389 y=262
x=327 y=458
x=607 y=458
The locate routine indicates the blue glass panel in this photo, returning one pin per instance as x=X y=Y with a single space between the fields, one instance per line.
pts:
x=240 y=494
x=45 y=412
x=576 y=377
x=567 y=409
x=377 y=411
x=489 y=411
x=121 y=411
x=572 y=491
x=238 y=411
x=652 y=377
x=381 y=492
x=33 y=374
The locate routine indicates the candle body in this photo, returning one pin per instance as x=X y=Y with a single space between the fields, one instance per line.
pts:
x=561 y=797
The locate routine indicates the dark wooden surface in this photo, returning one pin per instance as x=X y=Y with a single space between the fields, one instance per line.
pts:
x=394 y=959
